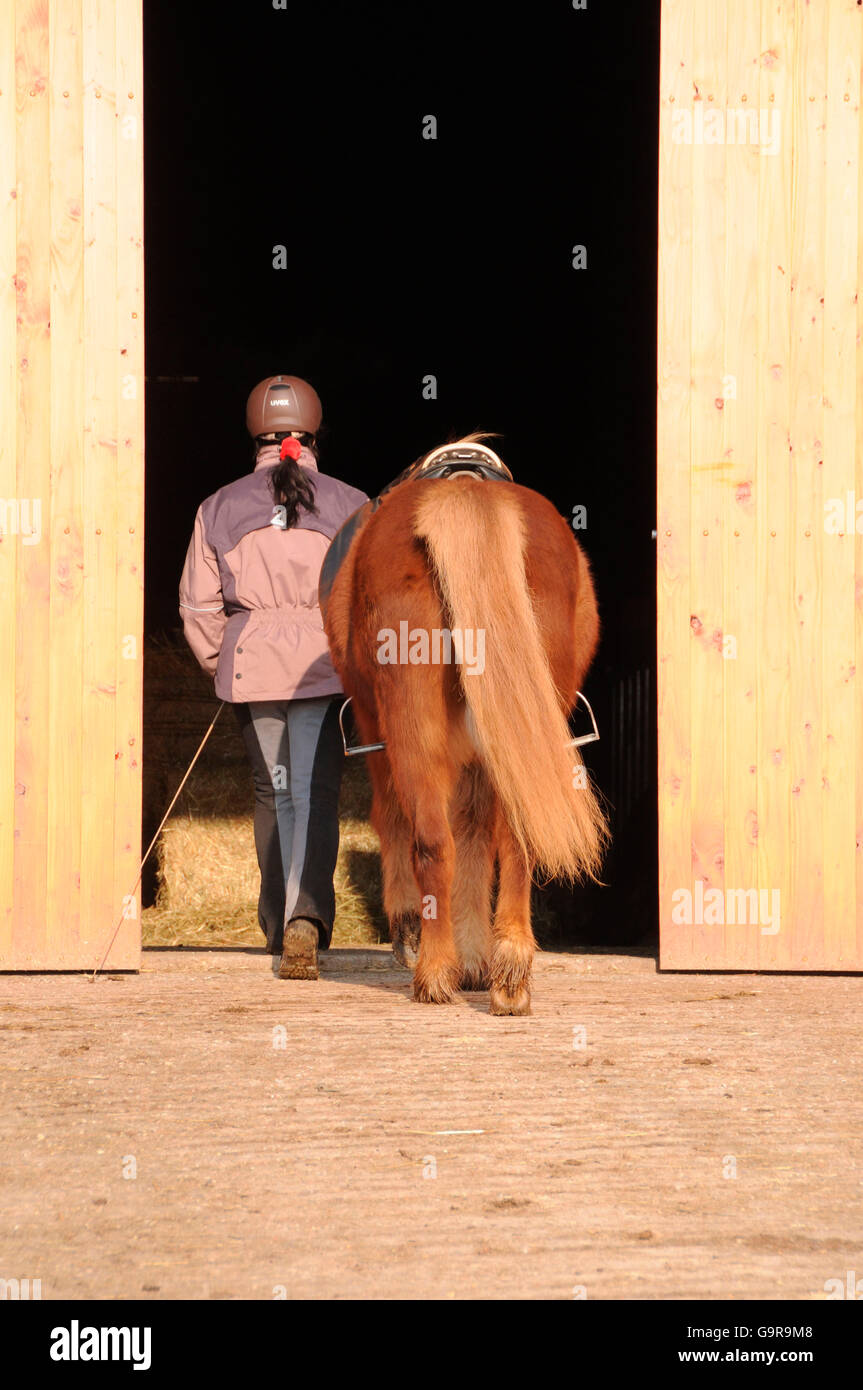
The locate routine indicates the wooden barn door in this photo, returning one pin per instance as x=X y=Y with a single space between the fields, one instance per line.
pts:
x=760 y=423
x=71 y=480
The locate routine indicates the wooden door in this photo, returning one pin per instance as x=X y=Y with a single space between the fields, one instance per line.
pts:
x=760 y=542
x=71 y=481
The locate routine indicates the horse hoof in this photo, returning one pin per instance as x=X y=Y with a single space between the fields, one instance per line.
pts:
x=405 y=954
x=510 y=1001
x=435 y=989
x=405 y=936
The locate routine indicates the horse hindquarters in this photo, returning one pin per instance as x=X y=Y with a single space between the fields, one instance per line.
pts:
x=480 y=540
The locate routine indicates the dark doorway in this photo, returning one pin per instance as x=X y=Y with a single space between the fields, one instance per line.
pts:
x=408 y=257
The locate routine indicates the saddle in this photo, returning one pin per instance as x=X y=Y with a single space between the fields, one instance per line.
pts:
x=440 y=463
x=455 y=458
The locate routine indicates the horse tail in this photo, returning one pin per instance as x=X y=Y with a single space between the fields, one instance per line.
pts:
x=476 y=537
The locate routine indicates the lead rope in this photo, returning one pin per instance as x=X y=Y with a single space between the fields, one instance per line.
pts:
x=156 y=836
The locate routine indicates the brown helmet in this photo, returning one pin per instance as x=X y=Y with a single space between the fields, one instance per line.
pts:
x=281 y=404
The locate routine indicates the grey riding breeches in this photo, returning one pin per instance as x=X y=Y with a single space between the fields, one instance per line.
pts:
x=297 y=758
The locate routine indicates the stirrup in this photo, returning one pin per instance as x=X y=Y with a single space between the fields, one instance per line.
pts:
x=355 y=748
x=379 y=747
x=585 y=738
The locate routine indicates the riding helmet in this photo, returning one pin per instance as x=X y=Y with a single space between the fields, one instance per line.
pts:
x=282 y=404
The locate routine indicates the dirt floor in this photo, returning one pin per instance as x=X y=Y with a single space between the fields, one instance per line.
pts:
x=204 y=1130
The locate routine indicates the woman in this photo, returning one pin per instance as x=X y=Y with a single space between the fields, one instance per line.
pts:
x=249 y=605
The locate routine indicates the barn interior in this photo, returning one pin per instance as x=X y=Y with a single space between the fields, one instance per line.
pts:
x=408 y=257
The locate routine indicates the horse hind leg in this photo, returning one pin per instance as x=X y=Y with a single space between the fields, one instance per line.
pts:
x=473 y=824
x=400 y=892
x=514 y=942
x=406 y=935
x=424 y=787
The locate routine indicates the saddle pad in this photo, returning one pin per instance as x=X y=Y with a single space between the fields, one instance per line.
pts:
x=338 y=549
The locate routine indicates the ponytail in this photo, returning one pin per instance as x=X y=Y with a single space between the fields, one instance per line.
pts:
x=292 y=488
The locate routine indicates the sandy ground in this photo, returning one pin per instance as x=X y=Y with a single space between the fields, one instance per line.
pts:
x=203 y=1130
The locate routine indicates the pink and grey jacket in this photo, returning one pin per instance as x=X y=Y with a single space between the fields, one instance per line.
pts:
x=249 y=589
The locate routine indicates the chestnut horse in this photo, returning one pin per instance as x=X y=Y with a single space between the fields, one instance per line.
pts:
x=476 y=767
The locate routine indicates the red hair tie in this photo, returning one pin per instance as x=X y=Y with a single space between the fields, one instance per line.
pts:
x=291 y=448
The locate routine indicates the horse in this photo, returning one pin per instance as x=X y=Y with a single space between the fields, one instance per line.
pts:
x=476 y=770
